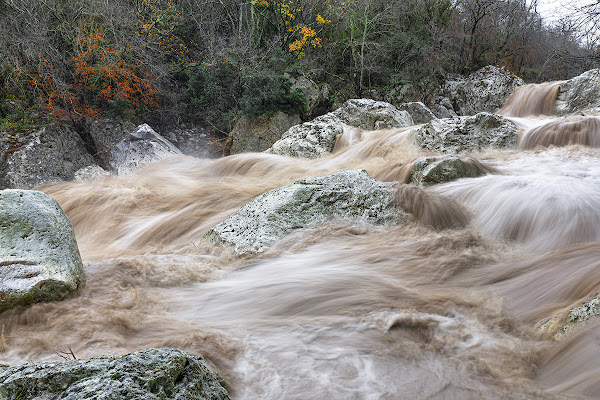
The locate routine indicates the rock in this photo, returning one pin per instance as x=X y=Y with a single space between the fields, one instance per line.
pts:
x=140 y=148
x=194 y=142
x=105 y=135
x=309 y=139
x=419 y=112
x=145 y=374
x=50 y=154
x=443 y=108
x=272 y=215
x=260 y=133
x=580 y=94
x=404 y=93
x=427 y=171
x=370 y=115
x=484 y=90
x=466 y=134
x=91 y=172
x=561 y=326
x=316 y=97
x=38 y=253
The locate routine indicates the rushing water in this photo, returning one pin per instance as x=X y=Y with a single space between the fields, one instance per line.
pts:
x=444 y=308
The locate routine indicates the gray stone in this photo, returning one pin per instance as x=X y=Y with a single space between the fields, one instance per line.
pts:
x=427 y=171
x=419 y=112
x=484 y=90
x=466 y=134
x=316 y=97
x=150 y=374
x=270 y=216
x=309 y=139
x=561 y=326
x=443 y=108
x=38 y=254
x=51 y=154
x=580 y=94
x=260 y=133
x=91 y=172
x=140 y=148
x=106 y=134
x=194 y=142
x=370 y=115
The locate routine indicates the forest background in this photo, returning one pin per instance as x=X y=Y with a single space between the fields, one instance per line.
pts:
x=208 y=62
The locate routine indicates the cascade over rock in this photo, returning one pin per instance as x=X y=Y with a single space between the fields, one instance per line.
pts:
x=484 y=90
x=270 y=216
x=149 y=374
x=259 y=133
x=140 y=148
x=51 y=154
x=466 y=134
x=425 y=171
x=579 y=94
x=313 y=138
x=38 y=253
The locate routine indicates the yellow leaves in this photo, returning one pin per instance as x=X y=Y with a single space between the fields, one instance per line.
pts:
x=322 y=21
x=262 y=3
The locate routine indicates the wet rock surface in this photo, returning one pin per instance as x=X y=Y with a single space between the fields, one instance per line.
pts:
x=580 y=94
x=467 y=134
x=39 y=258
x=145 y=374
x=427 y=171
x=351 y=194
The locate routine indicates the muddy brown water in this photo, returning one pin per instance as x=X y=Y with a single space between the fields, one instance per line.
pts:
x=444 y=308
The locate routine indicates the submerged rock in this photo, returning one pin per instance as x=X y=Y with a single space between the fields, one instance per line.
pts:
x=140 y=148
x=580 y=94
x=575 y=319
x=270 y=216
x=38 y=254
x=427 y=171
x=150 y=374
x=484 y=90
x=51 y=154
x=260 y=133
x=466 y=134
x=91 y=172
x=309 y=139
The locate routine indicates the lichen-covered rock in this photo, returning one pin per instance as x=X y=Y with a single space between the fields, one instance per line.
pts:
x=91 y=172
x=427 y=171
x=370 y=115
x=442 y=108
x=309 y=139
x=573 y=320
x=38 y=254
x=105 y=135
x=484 y=90
x=580 y=94
x=150 y=374
x=51 y=154
x=270 y=216
x=466 y=134
x=315 y=97
x=140 y=148
x=259 y=133
x=419 y=112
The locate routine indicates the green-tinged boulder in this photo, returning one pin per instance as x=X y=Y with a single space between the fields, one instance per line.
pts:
x=39 y=258
x=259 y=133
x=467 y=134
x=427 y=171
x=143 y=375
x=351 y=194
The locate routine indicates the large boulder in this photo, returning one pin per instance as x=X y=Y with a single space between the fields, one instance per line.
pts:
x=140 y=148
x=51 y=154
x=467 y=134
x=259 y=133
x=194 y=141
x=442 y=108
x=580 y=94
x=316 y=97
x=309 y=139
x=484 y=90
x=105 y=135
x=270 y=216
x=425 y=171
x=150 y=374
x=370 y=115
x=38 y=253
x=419 y=112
